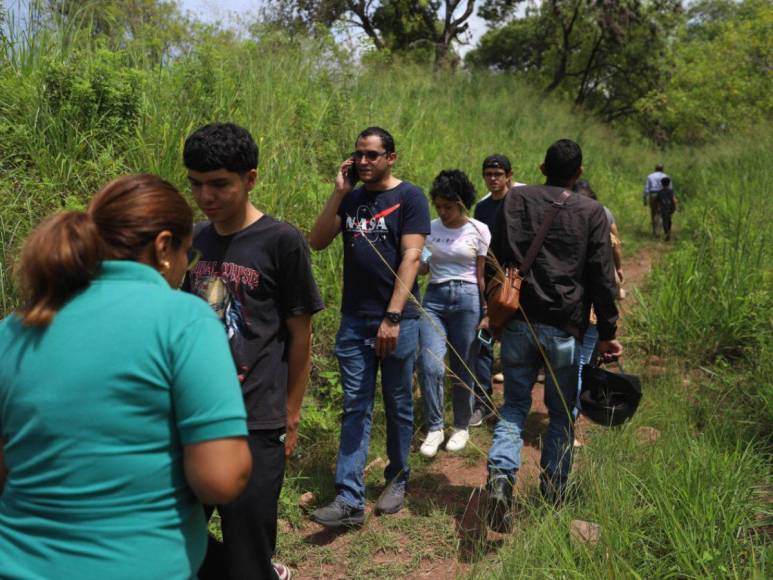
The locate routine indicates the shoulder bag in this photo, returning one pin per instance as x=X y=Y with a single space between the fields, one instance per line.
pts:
x=504 y=290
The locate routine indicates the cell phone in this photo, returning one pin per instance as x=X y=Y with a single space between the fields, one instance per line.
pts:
x=352 y=175
x=485 y=336
x=425 y=255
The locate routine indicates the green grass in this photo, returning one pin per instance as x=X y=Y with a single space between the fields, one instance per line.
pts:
x=682 y=506
x=710 y=301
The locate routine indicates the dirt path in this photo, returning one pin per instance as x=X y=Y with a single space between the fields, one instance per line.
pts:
x=426 y=539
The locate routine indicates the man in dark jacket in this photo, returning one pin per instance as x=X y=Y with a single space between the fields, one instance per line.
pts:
x=573 y=271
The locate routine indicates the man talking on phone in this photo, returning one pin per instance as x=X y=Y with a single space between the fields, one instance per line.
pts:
x=383 y=222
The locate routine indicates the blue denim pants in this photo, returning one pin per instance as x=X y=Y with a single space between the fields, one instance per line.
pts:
x=452 y=313
x=587 y=346
x=359 y=365
x=522 y=361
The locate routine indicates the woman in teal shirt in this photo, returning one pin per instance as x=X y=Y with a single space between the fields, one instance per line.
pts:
x=120 y=409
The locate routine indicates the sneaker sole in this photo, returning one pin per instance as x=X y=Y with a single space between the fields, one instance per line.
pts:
x=343 y=523
x=423 y=454
x=477 y=423
x=455 y=449
x=383 y=512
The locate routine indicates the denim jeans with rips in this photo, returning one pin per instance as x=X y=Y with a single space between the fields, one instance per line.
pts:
x=451 y=313
x=522 y=361
x=355 y=350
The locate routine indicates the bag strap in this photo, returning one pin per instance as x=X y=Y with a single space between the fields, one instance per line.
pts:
x=536 y=245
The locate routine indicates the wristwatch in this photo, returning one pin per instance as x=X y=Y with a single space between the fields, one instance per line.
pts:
x=394 y=317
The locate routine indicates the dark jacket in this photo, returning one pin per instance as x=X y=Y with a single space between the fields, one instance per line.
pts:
x=573 y=270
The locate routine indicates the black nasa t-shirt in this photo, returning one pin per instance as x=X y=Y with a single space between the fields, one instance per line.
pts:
x=373 y=223
x=254 y=280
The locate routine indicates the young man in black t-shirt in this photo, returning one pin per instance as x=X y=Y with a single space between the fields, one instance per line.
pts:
x=383 y=223
x=498 y=175
x=255 y=272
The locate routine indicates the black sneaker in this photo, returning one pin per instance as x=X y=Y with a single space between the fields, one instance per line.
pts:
x=338 y=514
x=499 y=503
x=392 y=498
x=477 y=417
x=480 y=415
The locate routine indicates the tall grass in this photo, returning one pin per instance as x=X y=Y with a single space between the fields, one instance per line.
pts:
x=710 y=301
x=689 y=505
x=74 y=115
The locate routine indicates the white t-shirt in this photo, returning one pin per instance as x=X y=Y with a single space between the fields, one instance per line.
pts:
x=455 y=251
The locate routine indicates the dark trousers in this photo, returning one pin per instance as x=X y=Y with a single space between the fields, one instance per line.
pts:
x=483 y=366
x=249 y=523
x=666 y=212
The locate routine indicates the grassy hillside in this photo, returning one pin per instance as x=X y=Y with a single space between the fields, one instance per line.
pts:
x=72 y=117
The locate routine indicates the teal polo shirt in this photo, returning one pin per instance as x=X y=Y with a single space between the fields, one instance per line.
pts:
x=95 y=410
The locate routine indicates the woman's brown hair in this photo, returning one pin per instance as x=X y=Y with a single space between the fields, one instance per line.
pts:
x=63 y=254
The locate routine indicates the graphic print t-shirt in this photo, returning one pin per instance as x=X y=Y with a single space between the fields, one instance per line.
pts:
x=254 y=280
x=455 y=251
x=373 y=223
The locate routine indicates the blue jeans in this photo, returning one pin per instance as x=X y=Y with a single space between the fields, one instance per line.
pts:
x=587 y=346
x=359 y=365
x=522 y=361
x=452 y=312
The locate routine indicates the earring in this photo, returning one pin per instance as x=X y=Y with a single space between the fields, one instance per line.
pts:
x=165 y=265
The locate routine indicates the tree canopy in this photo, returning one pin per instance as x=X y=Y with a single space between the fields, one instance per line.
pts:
x=401 y=26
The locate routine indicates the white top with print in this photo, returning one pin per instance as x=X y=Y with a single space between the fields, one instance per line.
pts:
x=455 y=251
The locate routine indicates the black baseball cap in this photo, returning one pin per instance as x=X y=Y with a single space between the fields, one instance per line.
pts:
x=497 y=161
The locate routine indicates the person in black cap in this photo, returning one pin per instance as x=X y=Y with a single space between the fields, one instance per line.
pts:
x=498 y=175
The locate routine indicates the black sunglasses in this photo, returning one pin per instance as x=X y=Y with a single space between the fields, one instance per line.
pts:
x=370 y=155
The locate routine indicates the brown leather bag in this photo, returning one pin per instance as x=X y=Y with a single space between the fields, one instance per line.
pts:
x=503 y=292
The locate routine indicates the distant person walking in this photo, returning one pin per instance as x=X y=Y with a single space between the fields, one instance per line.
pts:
x=383 y=223
x=667 y=205
x=498 y=175
x=572 y=271
x=650 y=196
x=457 y=248
x=120 y=410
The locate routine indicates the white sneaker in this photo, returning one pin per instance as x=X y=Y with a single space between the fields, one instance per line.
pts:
x=458 y=440
x=431 y=444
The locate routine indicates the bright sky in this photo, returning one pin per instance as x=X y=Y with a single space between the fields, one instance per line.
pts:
x=210 y=10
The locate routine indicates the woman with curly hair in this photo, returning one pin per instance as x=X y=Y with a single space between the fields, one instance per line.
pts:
x=453 y=304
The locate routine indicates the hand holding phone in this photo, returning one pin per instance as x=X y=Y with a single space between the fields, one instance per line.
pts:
x=351 y=173
x=346 y=177
x=485 y=337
